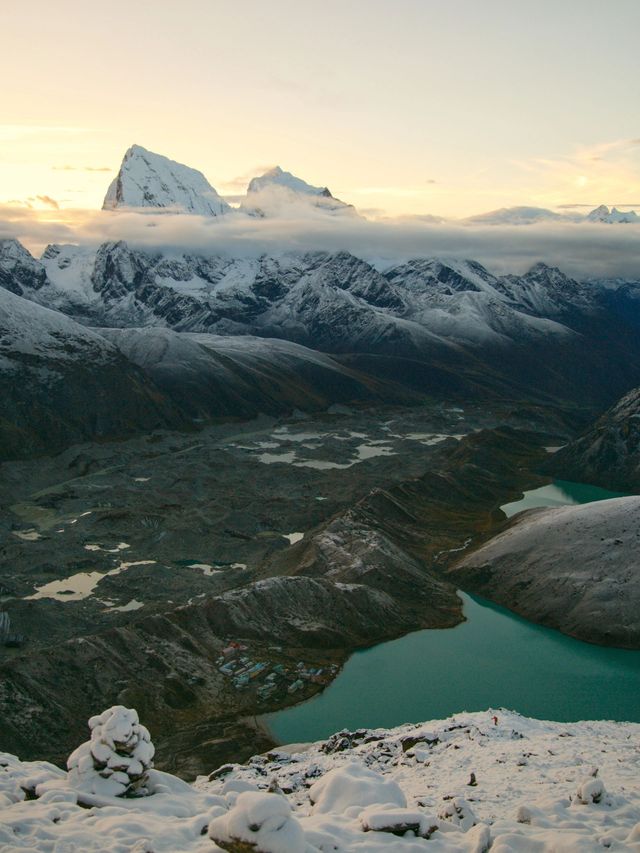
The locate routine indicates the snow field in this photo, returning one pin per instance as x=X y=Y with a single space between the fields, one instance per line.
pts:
x=462 y=784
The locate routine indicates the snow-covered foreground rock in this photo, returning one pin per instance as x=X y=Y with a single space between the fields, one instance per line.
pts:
x=471 y=783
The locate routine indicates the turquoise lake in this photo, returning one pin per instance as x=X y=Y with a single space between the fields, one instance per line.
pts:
x=495 y=659
x=560 y=493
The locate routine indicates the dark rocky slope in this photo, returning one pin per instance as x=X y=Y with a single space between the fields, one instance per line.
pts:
x=165 y=665
x=61 y=383
x=241 y=376
x=368 y=574
x=608 y=453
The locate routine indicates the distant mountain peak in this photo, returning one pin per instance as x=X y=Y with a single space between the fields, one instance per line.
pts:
x=277 y=189
x=149 y=180
x=278 y=177
x=514 y=216
x=603 y=214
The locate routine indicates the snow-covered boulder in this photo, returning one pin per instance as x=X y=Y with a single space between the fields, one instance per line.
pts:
x=397 y=821
x=354 y=785
x=116 y=761
x=591 y=790
x=457 y=811
x=259 y=822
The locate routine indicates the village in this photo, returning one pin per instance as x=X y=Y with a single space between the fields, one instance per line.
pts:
x=270 y=678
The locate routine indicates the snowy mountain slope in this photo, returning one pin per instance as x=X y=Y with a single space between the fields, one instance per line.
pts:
x=447 y=277
x=560 y=566
x=148 y=180
x=214 y=375
x=278 y=177
x=608 y=453
x=69 y=285
x=278 y=192
x=540 y=787
x=19 y=271
x=61 y=382
x=546 y=291
x=462 y=301
x=335 y=302
x=30 y=332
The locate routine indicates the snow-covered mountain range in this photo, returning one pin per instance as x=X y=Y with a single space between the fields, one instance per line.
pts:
x=533 y=215
x=152 y=182
x=603 y=214
x=441 y=326
x=444 y=327
x=331 y=301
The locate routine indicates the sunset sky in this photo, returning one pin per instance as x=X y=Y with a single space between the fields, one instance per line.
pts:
x=410 y=106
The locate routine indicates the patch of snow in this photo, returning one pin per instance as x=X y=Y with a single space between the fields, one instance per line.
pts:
x=81 y=585
x=130 y=605
x=28 y=535
x=121 y=546
x=273 y=458
x=205 y=568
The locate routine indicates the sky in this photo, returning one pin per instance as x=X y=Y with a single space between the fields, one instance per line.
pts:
x=399 y=106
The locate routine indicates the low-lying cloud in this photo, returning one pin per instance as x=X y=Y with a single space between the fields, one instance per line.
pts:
x=581 y=249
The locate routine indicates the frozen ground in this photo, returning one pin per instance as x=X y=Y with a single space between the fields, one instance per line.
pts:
x=476 y=781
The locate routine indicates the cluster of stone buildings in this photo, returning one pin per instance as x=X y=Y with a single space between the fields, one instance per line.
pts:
x=268 y=677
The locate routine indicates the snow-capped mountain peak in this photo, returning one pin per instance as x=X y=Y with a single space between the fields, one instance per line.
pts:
x=149 y=180
x=603 y=214
x=278 y=177
x=277 y=190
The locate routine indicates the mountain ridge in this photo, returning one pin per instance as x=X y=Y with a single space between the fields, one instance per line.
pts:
x=444 y=314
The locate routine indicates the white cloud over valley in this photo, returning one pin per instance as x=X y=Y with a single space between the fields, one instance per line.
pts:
x=581 y=249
